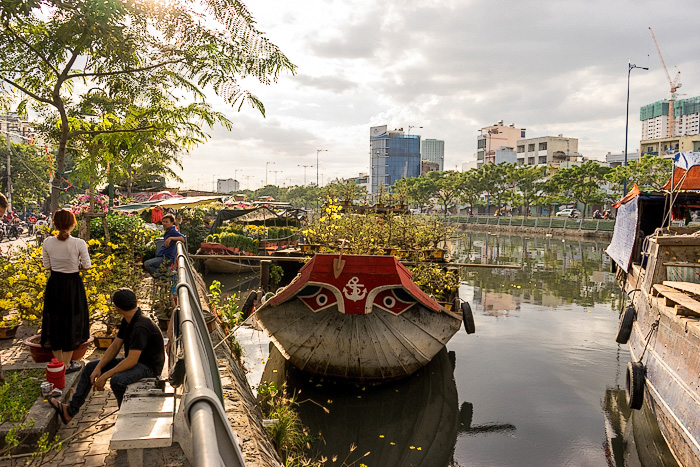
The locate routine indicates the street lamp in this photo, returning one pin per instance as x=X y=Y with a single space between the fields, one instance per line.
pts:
x=317 y=151
x=630 y=67
x=275 y=172
x=305 y=167
x=266 y=164
x=409 y=129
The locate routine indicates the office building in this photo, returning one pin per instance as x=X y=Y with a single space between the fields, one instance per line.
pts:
x=433 y=150
x=617 y=159
x=393 y=155
x=495 y=137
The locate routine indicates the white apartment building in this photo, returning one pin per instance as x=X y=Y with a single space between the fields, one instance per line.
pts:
x=547 y=150
x=228 y=185
x=494 y=137
x=433 y=150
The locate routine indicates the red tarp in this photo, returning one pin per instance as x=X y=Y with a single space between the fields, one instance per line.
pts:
x=691 y=182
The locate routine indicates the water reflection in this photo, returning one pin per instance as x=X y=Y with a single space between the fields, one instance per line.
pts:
x=554 y=271
x=632 y=437
x=413 y=421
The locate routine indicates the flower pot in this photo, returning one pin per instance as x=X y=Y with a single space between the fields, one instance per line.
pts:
x=41 y=354
x=163 y=323
x=210 y=319
x=8 y=332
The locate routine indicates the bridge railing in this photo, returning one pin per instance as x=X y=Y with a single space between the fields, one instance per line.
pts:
x=213 y=441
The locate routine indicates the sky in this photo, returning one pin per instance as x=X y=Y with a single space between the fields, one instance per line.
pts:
x=451 y=67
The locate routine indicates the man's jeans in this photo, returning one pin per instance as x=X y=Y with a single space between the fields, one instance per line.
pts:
x=118 y=382
x=153 y=265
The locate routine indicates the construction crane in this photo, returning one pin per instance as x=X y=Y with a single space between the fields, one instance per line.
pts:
x=675 y=84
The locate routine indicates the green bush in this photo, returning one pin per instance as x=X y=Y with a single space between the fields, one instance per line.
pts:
x=125 y=229
x=241 y=242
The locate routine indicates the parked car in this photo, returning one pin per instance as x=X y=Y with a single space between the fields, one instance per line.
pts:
x=569 y=212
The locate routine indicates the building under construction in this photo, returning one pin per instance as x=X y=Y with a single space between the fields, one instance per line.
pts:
x=682 y=134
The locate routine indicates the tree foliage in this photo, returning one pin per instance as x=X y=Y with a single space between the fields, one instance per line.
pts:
x=649 y=173
x=55 y=52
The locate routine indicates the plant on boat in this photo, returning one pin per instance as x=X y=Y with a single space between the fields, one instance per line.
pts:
x=435 y=280
x=241 y=242
x=276 y=273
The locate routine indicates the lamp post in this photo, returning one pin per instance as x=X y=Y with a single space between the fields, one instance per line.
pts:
x=630 y=67
x=305 y=167
x=267 y=164
x=275 y=172
x=317 y=151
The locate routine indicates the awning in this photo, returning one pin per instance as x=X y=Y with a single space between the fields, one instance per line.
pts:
x=172 y=203
x=686 y=172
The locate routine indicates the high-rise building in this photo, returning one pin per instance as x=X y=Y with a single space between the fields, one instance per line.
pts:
x=433 y=150
x=393 y=155
x=495 y=137
x=658 y=138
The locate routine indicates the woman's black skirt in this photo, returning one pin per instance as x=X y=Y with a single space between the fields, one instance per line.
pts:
x=65 y=324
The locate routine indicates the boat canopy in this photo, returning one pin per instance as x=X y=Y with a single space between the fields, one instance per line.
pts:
x=258 y=213
x=173 y=203
x=686 y=172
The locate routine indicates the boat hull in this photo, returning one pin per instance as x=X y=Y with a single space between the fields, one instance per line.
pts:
x=377 y=346
x=226 y=266
x=672 y=361
x=358 y=318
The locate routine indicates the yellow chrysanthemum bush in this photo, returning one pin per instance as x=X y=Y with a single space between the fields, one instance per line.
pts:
x=24 y=281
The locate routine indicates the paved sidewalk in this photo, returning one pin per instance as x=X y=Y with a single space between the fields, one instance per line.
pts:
x=87 y=436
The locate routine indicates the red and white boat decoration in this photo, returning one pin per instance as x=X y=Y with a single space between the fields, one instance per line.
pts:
x=357 y=317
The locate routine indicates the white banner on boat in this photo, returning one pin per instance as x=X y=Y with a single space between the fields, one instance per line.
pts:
x=622 y=243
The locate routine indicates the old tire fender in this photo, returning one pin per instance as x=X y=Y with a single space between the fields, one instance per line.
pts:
x=468 y=318
x=625 y=329
x=635 y=384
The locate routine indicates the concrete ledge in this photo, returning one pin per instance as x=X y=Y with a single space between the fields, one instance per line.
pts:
x=45 y=418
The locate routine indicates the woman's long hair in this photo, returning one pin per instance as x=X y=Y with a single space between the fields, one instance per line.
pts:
x=64 y=221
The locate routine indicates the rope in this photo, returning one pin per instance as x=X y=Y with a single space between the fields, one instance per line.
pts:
x=654 y=327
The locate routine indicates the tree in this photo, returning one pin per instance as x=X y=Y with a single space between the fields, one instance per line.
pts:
x=529 y=181
x=446 y=188
x=582 y=183
x=50 y=49
x=418 y=190
x=649 y=173
x=493 y=178
x=31 y=167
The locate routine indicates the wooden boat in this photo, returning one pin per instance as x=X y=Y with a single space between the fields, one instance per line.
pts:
x=230 y=266
x=357 y=317
x=660 y=273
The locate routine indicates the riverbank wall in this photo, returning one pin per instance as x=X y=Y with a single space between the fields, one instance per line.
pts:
x=535 y=231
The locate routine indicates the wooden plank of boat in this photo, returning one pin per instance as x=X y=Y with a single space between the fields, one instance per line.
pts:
x=224 y=266
x=689 y=287
x=681 y=302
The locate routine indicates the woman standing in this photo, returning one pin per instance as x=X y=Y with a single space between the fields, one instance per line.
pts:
x=65 y=323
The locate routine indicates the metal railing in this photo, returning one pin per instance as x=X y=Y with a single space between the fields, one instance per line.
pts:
x=213 y=441
x=594 y=225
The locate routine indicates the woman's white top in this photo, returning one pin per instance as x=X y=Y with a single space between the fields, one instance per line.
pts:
x=66 y=256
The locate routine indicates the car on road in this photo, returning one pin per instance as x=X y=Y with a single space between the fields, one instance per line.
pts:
x=569 y=212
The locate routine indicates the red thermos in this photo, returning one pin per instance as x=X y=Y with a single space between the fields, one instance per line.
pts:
x=56 y=373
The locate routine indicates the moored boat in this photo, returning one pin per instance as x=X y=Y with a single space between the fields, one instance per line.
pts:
x=357 y=317
x=661 y=275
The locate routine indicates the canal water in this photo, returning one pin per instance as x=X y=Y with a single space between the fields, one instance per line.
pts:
x=540 y=383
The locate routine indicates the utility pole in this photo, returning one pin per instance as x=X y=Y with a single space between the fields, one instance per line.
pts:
x=317 y=151
x=275 y=172
x=305 y=167
x=247 y=182
x=9 y=162
x=266 y=164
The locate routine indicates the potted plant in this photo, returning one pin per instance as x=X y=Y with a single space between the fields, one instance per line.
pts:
x=8 y=326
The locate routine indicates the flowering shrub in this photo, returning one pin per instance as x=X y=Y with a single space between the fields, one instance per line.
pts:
x=126 y=230
x=81 y=204
x=24 y=281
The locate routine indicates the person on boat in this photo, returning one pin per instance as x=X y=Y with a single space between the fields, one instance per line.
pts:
x=65 y=323
x=165 y=256
x=144 y=357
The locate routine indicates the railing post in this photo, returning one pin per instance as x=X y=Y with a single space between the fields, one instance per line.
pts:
x=565 y=219
x=536 y=219
x=265 y=274
x=597 y=225
x=550 y=222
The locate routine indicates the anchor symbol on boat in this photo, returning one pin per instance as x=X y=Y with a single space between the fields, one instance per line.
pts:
x=355 y=287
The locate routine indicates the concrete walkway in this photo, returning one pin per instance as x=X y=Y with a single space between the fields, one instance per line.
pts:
x=86 y=437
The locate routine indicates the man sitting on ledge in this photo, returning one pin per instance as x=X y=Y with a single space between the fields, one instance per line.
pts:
x=167 y=253
x=144 y=357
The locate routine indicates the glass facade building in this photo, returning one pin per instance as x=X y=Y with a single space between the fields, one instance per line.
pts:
x=393 y=155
